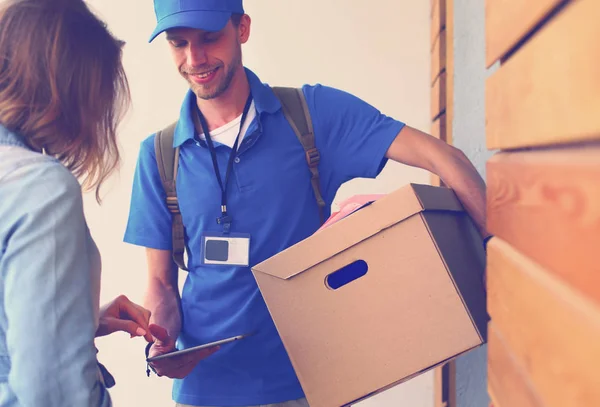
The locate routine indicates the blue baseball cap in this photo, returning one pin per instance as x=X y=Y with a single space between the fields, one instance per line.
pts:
x=207 y=15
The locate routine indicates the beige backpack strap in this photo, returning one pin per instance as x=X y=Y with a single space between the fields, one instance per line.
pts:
x=296 y=112
x=167 y=160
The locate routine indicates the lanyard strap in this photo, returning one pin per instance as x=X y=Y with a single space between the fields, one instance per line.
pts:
x=224 y=219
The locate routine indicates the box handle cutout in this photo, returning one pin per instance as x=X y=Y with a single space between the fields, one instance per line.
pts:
x=346 y=274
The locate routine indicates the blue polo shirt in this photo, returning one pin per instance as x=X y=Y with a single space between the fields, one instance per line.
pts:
x=269 y=197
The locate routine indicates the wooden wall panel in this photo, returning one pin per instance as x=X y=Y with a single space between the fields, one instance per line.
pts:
x=438 y=383
x=439 y=83
x=508 y=21
x=438 y=128
x=554 y=333
x=438 y=96
x=441 y=53
x=449 y=67
x=450 y=369
x=438 y=56
x=547 y=205
x=438 y=19
x=509 y=385
x=549 y=91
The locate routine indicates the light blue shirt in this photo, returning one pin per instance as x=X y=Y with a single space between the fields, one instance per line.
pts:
x=49 y=285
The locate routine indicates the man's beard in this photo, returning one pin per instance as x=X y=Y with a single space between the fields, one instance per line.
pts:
x=212 y=91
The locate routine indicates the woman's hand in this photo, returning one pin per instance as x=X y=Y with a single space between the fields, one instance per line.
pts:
x=123 y=315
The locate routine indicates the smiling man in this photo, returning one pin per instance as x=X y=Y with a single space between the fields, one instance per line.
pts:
x=245 y=193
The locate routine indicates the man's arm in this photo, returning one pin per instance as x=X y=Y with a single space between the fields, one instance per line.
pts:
x=162 y=295
x=163 y=300
x=415 y=148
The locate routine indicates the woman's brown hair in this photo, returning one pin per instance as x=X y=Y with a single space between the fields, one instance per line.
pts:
x=62 y=84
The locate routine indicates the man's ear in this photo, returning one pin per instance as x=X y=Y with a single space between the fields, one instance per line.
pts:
x=244 y=28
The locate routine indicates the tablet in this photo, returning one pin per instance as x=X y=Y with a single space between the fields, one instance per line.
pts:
x=196 y=348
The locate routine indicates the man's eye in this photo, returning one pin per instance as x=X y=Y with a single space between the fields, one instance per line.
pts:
x=178 y=44
x=210 y=39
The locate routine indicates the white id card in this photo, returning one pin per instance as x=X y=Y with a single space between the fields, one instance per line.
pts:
x=232 y=249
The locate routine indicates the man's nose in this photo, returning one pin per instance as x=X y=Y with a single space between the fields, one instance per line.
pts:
x=196 y=56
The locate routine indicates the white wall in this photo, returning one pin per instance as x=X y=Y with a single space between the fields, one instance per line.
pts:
x=376 y=50
x=468 y=134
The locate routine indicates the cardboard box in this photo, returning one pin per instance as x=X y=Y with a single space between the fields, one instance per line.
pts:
x=418 y=301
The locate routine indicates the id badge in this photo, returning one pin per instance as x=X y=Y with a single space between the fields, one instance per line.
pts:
x=232 y=249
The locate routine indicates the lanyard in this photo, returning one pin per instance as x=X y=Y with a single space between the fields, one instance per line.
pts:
x=224 y=219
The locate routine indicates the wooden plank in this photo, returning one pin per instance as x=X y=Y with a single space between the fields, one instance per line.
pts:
x=549 y=91
x=438 y=400
x=547 y=205
x=438 y=56
x=445 y=126
x=449 y=54
x=445 y=385
x=438 y=96
x=507 y=379
x=438 y=130
x=452 y=384
x=442 y=381
x=508 y=21
x=553 y=331
x=438 y=19
x=438 y=127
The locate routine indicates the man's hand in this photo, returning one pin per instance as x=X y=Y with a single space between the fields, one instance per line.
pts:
x=176 y=367
x=123 y=315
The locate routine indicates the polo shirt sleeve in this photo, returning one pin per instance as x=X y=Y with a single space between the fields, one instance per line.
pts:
x=149 y=222
x=351 y=133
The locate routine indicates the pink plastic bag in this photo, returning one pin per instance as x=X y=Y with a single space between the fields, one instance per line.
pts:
x=350 y=206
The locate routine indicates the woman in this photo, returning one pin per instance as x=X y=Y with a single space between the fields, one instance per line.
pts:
x=62 y=92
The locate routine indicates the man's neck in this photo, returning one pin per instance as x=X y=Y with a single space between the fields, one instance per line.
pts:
x=229 y=105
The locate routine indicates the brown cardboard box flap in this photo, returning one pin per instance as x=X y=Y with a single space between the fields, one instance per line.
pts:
x=370 y=220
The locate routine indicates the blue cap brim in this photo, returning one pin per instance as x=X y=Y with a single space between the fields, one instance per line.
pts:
x=201 y=20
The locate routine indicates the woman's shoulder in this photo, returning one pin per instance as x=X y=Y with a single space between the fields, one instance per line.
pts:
x=30 y=178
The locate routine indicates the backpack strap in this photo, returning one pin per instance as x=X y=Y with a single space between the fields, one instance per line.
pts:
x=296 y=112
x=167 y=160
